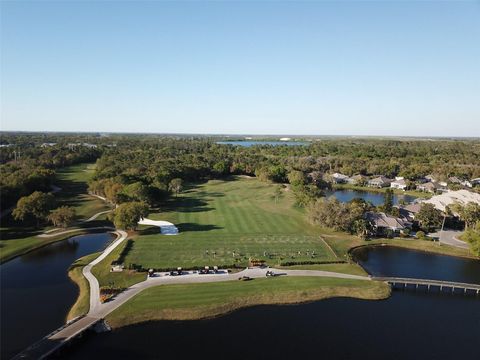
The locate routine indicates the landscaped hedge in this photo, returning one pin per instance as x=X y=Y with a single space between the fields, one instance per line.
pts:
x=310 y=262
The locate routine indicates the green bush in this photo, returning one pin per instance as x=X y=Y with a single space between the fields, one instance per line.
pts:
x=420 y=235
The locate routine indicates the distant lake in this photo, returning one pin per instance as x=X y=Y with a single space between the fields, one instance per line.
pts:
x=247 y=143
x=375 y=198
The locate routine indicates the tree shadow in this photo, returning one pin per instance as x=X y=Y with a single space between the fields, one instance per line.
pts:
x=151 y=230
x=184 y=227
x=187 y=205
x=123 y=255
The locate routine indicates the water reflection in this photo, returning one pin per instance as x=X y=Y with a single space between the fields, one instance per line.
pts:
x=406 y=326
x=36 y=292
x=394 y=261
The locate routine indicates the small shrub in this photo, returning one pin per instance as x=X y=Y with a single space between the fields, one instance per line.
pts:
x=420 y=235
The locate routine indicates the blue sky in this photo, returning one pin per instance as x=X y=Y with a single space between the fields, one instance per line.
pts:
x=360 y=68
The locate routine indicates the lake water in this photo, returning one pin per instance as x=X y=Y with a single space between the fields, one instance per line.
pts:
x=408 y=325
x=374 y=197
x=247 y=143
x=36 y=293
x=399 y=262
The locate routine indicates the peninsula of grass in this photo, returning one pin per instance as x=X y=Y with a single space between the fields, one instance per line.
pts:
x=82 y=305
x=198 y=301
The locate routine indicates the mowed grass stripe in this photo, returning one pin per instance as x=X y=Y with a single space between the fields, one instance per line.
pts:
x=226 y=216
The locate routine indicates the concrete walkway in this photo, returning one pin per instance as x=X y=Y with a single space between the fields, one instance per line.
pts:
x=99 y=310
x=92 y=280
x=51 y=234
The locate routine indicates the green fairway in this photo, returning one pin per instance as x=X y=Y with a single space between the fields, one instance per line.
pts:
x=225 y=223
x=73 y=182
x=194 y=301
x=17 y=238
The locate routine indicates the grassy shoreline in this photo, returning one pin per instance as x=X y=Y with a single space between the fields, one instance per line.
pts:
x=82 y=304
x=7 y=254
x=425 y=246
x=193 y=301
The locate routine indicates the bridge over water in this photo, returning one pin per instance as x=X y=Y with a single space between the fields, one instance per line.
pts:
x=428 y=284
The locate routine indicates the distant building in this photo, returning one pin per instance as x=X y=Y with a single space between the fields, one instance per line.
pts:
x=382 y=223
x=462 y=197
x=400 y=183
x=430 y=178
x=357 y=180
x=379 y=182
x=430 y=187
x=338 y=178
x=409 y=212
x=454 y=180
x=44 y=145
x=285 y=139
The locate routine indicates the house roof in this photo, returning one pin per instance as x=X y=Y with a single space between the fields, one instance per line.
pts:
x=340 y=176
x=381 y=179
x=461 y=197
x=400 y=182
x=386 y=221
x=428 y=185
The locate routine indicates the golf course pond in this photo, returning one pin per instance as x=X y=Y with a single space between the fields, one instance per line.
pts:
x=37 y=292
x=376 y=198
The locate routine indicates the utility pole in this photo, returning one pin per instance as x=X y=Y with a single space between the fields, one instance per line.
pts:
x=441 y=231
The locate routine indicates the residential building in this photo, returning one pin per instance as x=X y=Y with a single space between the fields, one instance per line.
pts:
x=357 y=180
x=379 y=182
x=462 y=197
x=338 y=178
x=399 y=183
x=382 y=224
x=408 y=212
x=430 y=187
x=430 y=178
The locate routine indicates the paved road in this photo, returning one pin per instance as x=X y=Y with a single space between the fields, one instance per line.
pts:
x=450 y=237
x=102 y=310
x=97 y=215
x=94 y=286
x=50 y=234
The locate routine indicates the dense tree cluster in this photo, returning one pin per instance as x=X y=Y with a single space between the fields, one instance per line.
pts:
x=127 y=215
x=27 y=166
x=348 y=217
x=35 y=206
x=429 y=218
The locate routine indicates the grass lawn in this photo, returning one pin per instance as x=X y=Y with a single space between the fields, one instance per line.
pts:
x=73 y=181
x=225 y=223
x=196 y=301
x=17 y=238
x=122 y=279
